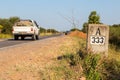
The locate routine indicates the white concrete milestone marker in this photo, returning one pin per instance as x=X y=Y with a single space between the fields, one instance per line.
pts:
x=97 y=39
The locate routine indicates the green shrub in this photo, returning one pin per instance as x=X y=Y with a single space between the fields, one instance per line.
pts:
x=7 y=24
x=114 y=37
x=4 y=36
x=95 y=67
x=111 y=69
x=72 y=59
x=90 y=66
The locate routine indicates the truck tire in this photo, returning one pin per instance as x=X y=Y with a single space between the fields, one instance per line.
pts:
x=37 y=37
x=33 y=37
x=15 y=37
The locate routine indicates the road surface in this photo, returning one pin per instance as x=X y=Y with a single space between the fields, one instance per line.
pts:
x=12 y=42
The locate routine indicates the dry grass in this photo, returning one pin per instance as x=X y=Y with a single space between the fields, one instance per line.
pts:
x=5 y=36
x=113 y=53
x=26 y=62
x=61 y=70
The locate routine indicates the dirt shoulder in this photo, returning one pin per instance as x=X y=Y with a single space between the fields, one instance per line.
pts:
x=24 y=62
x=1 y=40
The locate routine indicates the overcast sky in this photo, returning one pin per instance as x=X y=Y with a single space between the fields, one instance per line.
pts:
x=53 y=13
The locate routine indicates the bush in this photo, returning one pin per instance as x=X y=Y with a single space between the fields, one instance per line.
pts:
x=111 y=69
x=3 y=36
x=95 y=67
x=90 y=65
x=99 y=68
x=7 y=24
x=114 y=37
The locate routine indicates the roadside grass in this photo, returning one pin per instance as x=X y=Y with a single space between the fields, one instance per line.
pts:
x=67 y=65
x=113 y=52
x=75 y=63
x=5 y=36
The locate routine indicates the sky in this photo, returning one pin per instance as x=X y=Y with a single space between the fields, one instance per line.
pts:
x=59 y=14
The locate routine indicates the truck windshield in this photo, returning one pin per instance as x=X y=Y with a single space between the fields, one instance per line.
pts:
x=24 y=23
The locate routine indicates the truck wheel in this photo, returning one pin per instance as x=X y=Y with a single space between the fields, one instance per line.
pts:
x=33 y=37
x=15 y=37
x=37 y=37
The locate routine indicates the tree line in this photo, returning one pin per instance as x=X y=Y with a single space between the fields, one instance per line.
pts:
x=43 y=30
x=6 y=26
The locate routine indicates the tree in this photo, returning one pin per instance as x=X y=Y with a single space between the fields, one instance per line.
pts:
x=13 y=20
x=116 y=25
x=85 y=25
x=42 y=30
x=7 y=24
x=94 y=18
x=52 y=31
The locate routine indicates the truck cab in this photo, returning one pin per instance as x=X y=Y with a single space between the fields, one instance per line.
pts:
x=26 y=28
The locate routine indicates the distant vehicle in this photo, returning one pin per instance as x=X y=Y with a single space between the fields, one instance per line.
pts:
x=26 y=28
x=67 y=32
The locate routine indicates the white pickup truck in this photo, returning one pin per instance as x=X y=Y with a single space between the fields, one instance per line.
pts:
x=26 y=28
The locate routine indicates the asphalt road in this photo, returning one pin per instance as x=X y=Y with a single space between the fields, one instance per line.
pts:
x=12 y=42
